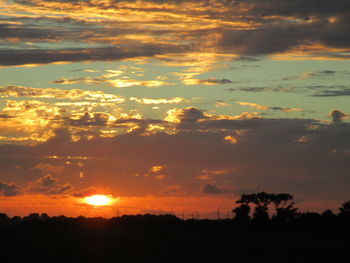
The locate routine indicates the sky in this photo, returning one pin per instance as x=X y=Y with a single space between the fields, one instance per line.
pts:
x=172 y=106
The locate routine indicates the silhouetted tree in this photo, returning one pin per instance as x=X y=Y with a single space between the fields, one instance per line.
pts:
x=3 y=218
x=328 y=217
x=16 y=220
x=261 y=214
x=309 y=219
x=344 y=212
x=345 y=209
x=34 y=216
x=283 y=203
x=44 y=217
x=262 y=201
x=241 y=212
x=285 y=210
x=245 y=199
x=281 y=200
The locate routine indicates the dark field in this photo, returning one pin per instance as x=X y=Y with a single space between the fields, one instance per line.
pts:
x=196 y=241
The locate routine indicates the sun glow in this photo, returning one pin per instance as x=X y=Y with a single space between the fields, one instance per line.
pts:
x=97 y=200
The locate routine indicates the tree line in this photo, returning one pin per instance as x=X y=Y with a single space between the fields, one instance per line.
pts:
x=266 y=207
x=251 y=209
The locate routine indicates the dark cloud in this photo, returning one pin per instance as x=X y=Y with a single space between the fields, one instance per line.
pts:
x=49 y=185
x=247 y=59
x=137 y=121
x=286 y=109
x=329 y=27
x=30 y=32
x=6 y=116
x=283 y=37
x=110 y=4
x=139 y=125
x=213 y=81
x=44 y=56
x=61 y=135
x=330 y=91
x=292 y=155
x=300 y=8
x=26 y=33
x=317 y=90
x=95 y=119
x=326 y=72
x=281 y=26
x=337 y=116
x=322 y=74
x=74 y=80
x=10 y=189
x=188 y=115
x=262 y=41
x=279 y=88
x=213 y=189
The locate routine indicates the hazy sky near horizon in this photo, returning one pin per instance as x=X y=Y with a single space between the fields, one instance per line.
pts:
x=173 y=105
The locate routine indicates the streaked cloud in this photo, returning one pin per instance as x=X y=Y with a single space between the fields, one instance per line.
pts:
x=12 y=91
x=49 y=168
x=263 y=107
x=171 y=189
x=175 y=100
x=330 y=91
x=192 y=81
x=113 y=30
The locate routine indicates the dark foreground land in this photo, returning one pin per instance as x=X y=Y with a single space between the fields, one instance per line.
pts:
x=170 y=239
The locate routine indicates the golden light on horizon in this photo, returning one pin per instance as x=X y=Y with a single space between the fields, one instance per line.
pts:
x=98 y=200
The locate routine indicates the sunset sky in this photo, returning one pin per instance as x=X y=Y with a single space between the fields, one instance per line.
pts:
x=172 y=105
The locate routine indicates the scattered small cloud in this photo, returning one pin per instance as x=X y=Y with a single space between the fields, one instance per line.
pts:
x=175 y=100
x=156 y=168
x=317 y=74
x=253 y=105
x=213 y=81
x=48 y=185
x=213 y=189
x=264 y=107
x=49 y=168
x=230 y=139
x=222 y=104
x=10 y=189
x=171 y=189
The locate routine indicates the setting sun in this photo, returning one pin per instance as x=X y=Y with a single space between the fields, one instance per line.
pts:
x=97 y=200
